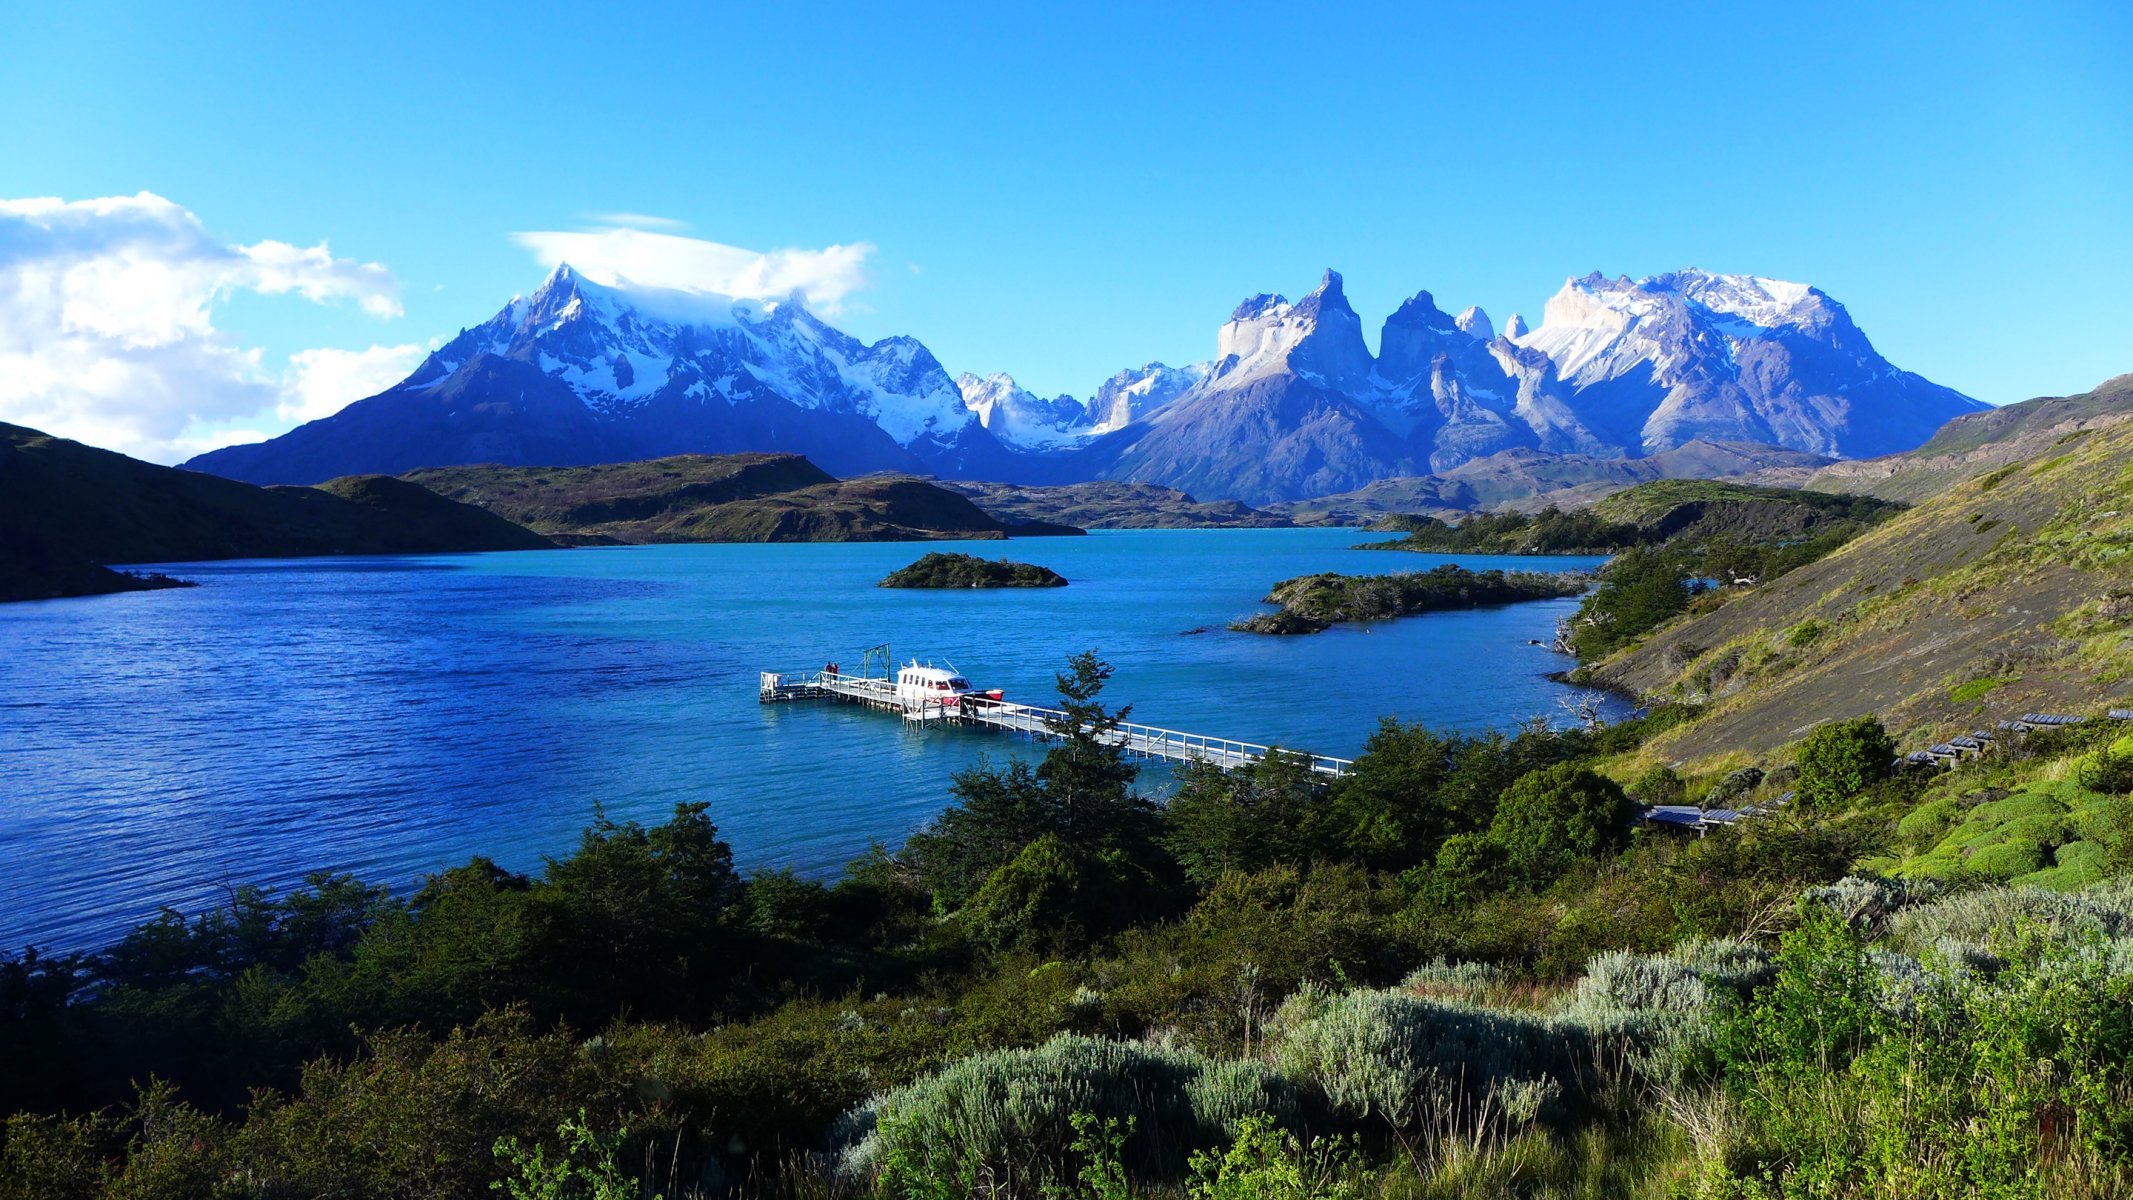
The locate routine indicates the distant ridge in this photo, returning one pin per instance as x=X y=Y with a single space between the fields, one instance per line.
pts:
x=1974 y=444
x=1293 y=405
x=729 y=498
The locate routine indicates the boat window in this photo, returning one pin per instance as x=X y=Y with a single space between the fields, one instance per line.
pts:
x=961 y=684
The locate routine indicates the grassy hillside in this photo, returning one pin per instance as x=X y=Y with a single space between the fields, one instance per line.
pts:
x=1109 y=504
x=721 y=498
x=1660 y=513
x=67 y=504
x=2007 y=593
x=1972 y=445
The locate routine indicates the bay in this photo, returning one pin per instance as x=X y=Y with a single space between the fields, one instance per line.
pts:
x=394 y=716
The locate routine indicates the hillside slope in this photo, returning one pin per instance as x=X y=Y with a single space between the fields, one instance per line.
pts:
x=2006 y=593
x=726 y=498
x=67 y=503
x=1677 y=512
x=1530 y=480
x=1110 y=505
x=1972 y=444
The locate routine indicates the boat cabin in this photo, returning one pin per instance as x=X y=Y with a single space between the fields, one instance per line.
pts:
x=939 y=685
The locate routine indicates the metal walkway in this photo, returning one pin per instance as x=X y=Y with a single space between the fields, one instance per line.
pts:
x=1141 y=741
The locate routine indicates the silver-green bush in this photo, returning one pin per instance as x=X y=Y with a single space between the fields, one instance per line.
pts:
x=1007 y=1116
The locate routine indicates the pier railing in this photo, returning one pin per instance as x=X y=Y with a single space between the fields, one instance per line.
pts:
x=1035 y=721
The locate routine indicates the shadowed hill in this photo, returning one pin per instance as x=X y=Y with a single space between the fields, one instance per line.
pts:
x=67 y=504
x=1107 y=504
x=722 y=498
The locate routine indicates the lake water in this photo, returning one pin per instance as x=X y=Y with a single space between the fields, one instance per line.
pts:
x=394 y=716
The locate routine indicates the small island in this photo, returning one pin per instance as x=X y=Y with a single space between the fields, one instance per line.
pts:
x=1313 y=603
x=939 y=570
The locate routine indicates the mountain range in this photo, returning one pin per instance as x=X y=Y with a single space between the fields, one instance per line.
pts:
x=1293 y=405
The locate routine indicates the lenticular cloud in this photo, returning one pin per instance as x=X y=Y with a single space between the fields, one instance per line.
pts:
x=618 y=257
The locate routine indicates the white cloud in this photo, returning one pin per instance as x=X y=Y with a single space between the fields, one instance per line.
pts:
x=320 y=383
x=107 y=332
x=618 y=255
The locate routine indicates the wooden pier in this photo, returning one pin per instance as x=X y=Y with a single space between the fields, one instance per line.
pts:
x=1140 y=741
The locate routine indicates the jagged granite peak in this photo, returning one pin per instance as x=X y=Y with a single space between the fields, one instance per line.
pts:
x=1020 y=418
x=1415 y=334
x=1515 y=328
x=1137 y=393
x=1319 y=336
x=1476 y=324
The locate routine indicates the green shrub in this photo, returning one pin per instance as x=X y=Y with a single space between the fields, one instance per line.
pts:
x=583 y=1170
x=2109 y=772
x=1055 y=895
x=2005 y=860
x=1556 y=816
x=1736 y=786
x=1659 y=785
x=1927 y=823
x=1842 y=759
x=1266 y=1162
x=1244 y=820
x=781 y=904
x=1007 y=1116
x=1866 y=1078
x=1406 y=1063
x=1989 y=915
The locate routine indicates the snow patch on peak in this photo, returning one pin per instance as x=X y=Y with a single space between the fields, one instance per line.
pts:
x=1515 y=328
x=1018 y=417
x=1476 y=324
x=1760 y=301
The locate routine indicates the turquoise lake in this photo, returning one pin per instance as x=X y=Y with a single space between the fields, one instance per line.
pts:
x=393 y=716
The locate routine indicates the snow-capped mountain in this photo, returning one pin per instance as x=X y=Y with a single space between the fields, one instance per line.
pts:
x=1020 y=418
x=1653 y=363
x=580 y=372
x=1294 y=404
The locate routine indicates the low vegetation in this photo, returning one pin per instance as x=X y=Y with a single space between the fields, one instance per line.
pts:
x=939 y=570
x=1458 y=971
x=1111 y=504
x=1313 y=603
x=1550 y=531
x=2001 y=595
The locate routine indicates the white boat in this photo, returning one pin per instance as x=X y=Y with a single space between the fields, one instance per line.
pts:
x=929 y=693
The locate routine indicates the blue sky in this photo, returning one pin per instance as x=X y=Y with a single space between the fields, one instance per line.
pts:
x=1062 y=193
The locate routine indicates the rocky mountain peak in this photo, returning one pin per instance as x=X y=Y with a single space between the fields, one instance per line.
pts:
x=1319 y=336
x=1476 y=324
x=1415 y=334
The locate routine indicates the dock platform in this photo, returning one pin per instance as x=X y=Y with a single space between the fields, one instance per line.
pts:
x=1030 y=720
